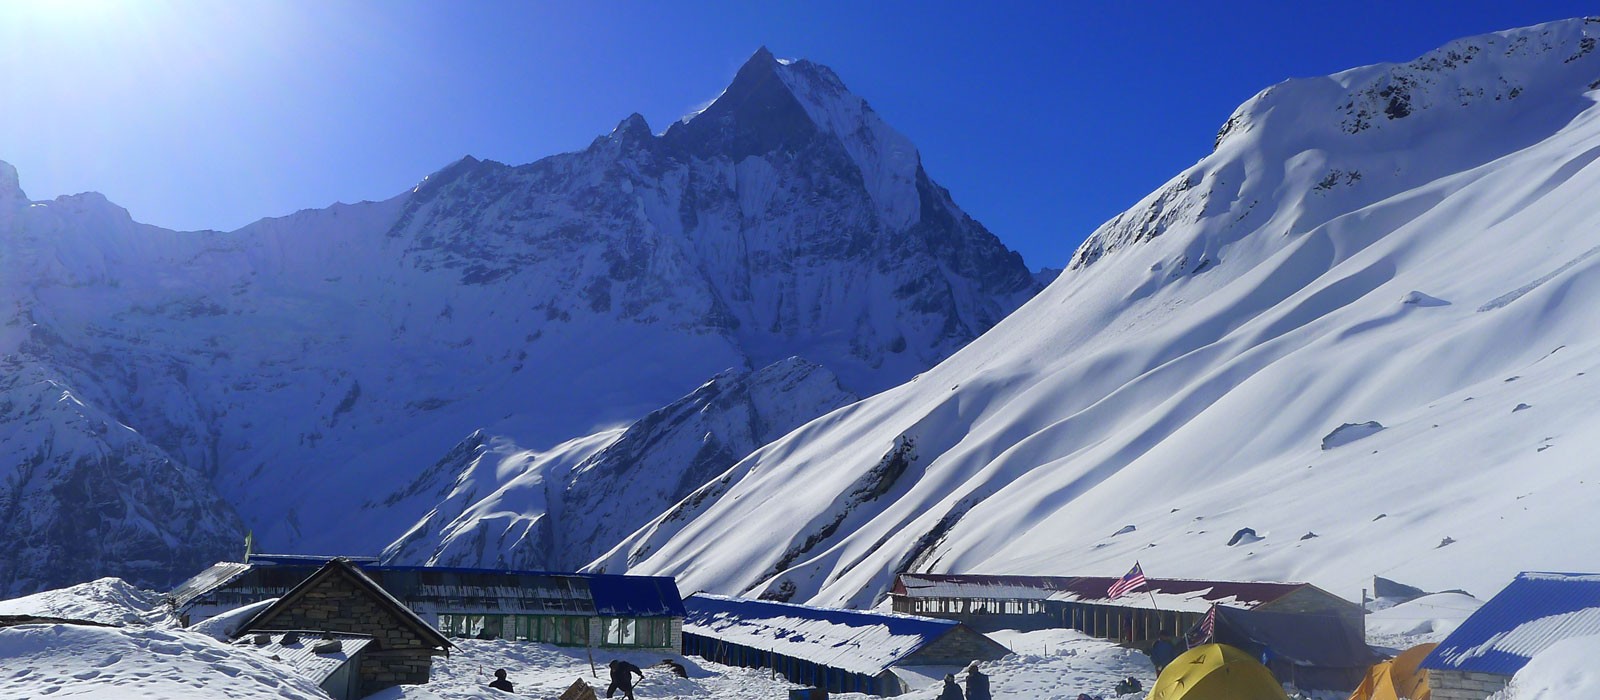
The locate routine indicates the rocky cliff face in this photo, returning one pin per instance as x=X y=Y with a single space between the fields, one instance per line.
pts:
x=311 y=364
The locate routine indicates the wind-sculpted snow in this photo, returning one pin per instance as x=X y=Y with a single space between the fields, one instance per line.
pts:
x=316 y=366
x=1181 y=376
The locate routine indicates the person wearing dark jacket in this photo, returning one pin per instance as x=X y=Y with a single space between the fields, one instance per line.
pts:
x=1163 y=652
x=622 y=678
x=977 y=683
x=500 y=682
x=951 y=690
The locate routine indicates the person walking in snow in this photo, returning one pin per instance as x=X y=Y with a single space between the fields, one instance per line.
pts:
x=622 y=678
x=500 y=682
x=951 y=690
x=1163 y=651
x=977 y=683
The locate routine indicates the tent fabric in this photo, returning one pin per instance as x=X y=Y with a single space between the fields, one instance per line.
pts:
x=1216 y=672
x=1305 y=640
x=1398 y=678
x=1323 y=652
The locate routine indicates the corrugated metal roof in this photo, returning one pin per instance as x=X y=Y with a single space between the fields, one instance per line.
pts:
x=213 y=577
x=1171 y=594
x=513 y=591
x=301 y=654
x=853 y=640
x=1536 y=610
x=315 y=560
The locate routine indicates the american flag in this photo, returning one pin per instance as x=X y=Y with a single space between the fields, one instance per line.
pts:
x=1208 y=626
x=1129 y=581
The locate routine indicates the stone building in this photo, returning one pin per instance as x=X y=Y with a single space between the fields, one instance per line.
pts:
x=565 y=609
x=339 y=598
x=1535 y=611
x=841 y=651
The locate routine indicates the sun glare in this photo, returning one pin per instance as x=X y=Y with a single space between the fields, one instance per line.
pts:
x=71 y=12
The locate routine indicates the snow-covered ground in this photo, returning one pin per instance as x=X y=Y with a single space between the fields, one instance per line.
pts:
x=80 y=661
x=1564 y=671
x=542 y=670
x=1051 y=664
x=1430 y=618
x=151 y=658
x=147 y=656
x=109 y=601
x=1074 y=664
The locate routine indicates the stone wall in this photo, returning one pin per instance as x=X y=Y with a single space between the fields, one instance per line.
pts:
x=390 y=667
x=1464 y=685
x=335 y=604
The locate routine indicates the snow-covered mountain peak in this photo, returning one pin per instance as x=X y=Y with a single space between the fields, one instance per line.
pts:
x=302 y=358
x=440 y=177
x=1357 y=137
x=790 y=106
x=1489 y=71
x=633 y=127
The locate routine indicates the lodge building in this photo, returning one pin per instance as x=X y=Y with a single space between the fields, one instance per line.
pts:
x=600 y=610
x=1082 y=602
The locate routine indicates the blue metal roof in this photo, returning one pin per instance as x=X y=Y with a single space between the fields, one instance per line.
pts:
x=645 y=596
x=702 y=607
x=853 y=640
x=1538 y=609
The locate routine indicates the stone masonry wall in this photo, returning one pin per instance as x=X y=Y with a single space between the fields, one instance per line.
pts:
x=1463 y=685
x=397 y=656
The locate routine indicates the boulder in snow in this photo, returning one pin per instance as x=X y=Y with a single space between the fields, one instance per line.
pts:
x=1350 y=432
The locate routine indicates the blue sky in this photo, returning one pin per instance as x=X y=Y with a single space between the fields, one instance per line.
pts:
x=1043 y=119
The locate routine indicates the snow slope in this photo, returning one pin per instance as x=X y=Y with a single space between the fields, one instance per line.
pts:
x=305 y=365
x=1430 y=618
x=508 y=507
x=1407 y=244
x=77 y=661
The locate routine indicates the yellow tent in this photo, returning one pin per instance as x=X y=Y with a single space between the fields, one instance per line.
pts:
x=1398 y=678
x=1216 y=672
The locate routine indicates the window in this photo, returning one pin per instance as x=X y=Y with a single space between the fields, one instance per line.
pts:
x=647 y=632
x=621 y=632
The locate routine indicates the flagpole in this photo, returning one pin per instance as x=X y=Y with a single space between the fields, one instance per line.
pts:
x=1154 y=607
